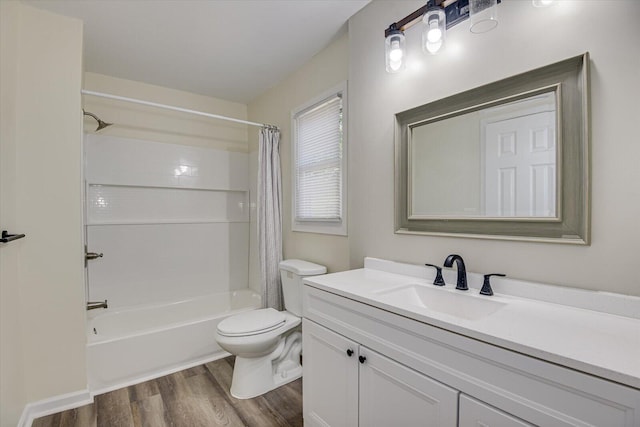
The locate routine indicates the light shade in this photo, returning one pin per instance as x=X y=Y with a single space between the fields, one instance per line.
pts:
x=434 y=30
x=483 y=15
x=395 y=52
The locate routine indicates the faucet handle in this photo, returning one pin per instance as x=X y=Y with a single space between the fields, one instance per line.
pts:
x=439 y=280
x=486 y=286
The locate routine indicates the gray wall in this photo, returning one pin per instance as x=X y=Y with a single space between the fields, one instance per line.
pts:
x=526 y=38
x=445 y=159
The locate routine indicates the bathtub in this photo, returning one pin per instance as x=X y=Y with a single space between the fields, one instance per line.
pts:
x=134 y=344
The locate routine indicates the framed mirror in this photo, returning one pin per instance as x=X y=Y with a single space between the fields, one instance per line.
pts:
x=509 y=160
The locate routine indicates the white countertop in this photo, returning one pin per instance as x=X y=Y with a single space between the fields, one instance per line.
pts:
x=598 y=343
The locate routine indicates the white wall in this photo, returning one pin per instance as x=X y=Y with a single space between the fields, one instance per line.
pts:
x=323 y=72
x=526 y=38
x=43 y=329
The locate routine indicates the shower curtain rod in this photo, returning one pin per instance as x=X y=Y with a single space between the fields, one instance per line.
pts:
x=171 y=107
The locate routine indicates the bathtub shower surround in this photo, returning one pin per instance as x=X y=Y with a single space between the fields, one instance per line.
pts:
x=173 y=224
x=171 y=220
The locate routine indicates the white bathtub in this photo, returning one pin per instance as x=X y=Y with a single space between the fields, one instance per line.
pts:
x=126 y=346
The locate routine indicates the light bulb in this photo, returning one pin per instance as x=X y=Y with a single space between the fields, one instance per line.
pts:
x=395 y=55
x=394 y=50
x=433 y=48
x=434 y=35
x=395 y=65
x=434 y=30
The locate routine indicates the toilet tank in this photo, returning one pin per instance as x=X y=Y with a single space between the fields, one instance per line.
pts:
x=292 y=271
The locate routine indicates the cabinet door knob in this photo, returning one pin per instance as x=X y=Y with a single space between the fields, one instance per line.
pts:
x=362 y=359
x=349 y=352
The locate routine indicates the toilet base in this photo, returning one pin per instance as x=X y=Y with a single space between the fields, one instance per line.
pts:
x=255 y=376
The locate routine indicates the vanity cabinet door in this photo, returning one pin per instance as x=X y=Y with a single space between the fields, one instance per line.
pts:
x=393 y=395
x=474 y=413
x=330 y=377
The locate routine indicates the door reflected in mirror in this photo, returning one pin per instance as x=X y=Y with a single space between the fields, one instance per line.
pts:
x=491 y=161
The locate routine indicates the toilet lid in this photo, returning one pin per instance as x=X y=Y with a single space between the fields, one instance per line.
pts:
x=251 y=323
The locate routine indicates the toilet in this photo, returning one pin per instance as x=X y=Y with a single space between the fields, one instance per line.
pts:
x=267 y=343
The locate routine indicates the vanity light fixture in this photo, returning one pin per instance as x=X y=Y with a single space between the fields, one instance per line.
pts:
x=438 y=16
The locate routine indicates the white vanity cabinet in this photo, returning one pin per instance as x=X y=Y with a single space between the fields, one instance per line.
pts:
x=419 y=374
x=330 y=377
x=346 y=384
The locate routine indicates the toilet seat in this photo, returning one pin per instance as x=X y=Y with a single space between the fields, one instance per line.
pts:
x=252 y=323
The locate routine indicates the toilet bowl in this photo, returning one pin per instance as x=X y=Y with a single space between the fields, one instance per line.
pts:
x=267 y=343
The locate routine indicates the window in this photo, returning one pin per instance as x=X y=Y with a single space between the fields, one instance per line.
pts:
x=319 y=164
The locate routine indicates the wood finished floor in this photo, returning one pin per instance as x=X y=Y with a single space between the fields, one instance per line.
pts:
x=191 y=398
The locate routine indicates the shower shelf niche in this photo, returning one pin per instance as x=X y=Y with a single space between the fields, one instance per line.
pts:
x=138 y=205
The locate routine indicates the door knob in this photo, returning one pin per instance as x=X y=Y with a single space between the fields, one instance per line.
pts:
x=349 y=352
x=362 y=359
x=93 y=255
x=90 y=255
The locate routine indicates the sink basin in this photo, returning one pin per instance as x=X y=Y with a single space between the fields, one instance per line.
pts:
x=453 y=303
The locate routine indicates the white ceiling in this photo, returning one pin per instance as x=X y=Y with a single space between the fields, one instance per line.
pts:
x=233 y=50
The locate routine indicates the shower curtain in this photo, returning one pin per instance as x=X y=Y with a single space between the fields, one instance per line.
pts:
x=270 y=217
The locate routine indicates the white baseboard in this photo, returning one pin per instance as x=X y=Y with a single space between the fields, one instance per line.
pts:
x=52 y=405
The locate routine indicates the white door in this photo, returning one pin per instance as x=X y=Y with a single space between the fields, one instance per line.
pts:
x=520 y=166
x=394 y=395
x=330 y=377
x=474 y=413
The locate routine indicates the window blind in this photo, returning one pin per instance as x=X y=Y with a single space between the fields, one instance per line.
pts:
x=319 y=162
